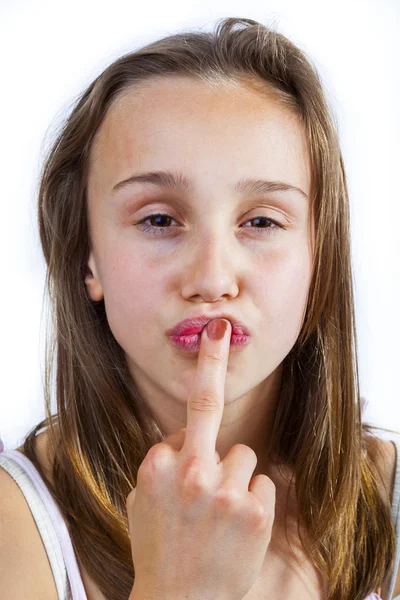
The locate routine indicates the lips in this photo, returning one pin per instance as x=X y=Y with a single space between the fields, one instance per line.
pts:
x=196 y=325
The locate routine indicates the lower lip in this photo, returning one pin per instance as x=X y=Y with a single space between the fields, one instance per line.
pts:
x=191 y=343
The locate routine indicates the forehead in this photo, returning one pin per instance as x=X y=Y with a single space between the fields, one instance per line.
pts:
x=218 y=132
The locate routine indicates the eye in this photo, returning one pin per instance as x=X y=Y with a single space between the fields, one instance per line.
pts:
x=271 y=228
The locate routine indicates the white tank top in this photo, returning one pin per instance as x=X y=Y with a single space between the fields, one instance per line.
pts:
x=57 y=541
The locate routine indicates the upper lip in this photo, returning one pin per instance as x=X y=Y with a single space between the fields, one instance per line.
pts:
x=196 y=325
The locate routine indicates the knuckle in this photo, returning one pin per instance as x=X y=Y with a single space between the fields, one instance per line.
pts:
x=270 y=486
x=129 y=501
x=215 y=357
x=156 y=460
x=153 y=456
x=194 y=477
x=228 y=497
x=145 y=474
x=258 y=516
x=205 y=402
x=247 y=451
x=262 y=511
x=153 y=451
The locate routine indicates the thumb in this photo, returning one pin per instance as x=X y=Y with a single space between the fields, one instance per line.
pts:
x=130 y=500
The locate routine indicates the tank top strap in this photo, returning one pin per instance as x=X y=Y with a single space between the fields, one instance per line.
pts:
x=50 y=523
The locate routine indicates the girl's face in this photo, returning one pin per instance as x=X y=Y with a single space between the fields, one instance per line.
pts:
x=216 y=251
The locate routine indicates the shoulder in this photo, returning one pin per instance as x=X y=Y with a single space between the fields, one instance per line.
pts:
x=386 y=459
x=25 y=571
x=383 y=455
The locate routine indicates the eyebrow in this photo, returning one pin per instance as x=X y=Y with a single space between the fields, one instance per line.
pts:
x=171 y=180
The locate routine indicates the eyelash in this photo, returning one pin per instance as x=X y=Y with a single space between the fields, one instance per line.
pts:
x=153 y=230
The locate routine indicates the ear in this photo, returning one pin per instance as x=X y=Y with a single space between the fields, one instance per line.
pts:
x=92 y=280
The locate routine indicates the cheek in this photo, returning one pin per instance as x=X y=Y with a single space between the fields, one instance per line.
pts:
x=283 y=293
x=132 y=295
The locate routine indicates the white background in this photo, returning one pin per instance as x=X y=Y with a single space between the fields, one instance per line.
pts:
x=51 y=50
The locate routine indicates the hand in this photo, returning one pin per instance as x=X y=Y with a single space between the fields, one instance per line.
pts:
x=200 y=527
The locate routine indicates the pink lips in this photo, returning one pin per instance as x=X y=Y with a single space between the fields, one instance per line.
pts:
x=186 y=335
x=197 y=324
x=191 y=343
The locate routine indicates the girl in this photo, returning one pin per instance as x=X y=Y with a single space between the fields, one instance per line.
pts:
x=197 y=184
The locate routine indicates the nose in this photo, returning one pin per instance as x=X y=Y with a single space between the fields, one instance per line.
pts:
x=211 y=272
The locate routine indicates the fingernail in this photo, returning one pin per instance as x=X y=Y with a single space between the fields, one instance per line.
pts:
x=216 y=329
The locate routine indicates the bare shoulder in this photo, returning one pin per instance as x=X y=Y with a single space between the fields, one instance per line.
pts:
x=25 y=570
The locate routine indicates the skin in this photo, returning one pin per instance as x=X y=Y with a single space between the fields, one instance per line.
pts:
x=213 y=258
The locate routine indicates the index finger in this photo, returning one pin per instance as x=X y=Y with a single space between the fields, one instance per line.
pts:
x=205 y=406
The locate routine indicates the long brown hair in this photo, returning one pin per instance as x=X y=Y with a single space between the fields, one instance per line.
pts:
x=103 y=429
